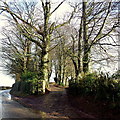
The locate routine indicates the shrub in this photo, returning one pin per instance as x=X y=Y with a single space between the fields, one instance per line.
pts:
x=116 y=75
x=101 y=86
x=29 y=84
x=27 y=75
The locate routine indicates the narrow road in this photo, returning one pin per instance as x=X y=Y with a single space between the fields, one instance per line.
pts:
x=12 y=109
x=54 y=105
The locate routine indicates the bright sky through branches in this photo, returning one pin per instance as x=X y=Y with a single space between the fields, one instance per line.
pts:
x=6 y=80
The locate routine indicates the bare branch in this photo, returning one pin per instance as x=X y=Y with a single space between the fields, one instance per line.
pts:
x=57 y=7
x=104 y=21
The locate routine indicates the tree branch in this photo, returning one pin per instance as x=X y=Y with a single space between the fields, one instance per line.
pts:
x=57 y=7
x=16 y=16
x=104 y=21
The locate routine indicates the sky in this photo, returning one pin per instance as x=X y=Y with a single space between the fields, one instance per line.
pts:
x=5 y=80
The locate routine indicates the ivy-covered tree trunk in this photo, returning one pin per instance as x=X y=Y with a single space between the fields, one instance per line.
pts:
x=45 y=44
x=27 y=51
x=80 y=61
x=28 y=54
x=45 y=65
x=85 y=41
x=36 y=60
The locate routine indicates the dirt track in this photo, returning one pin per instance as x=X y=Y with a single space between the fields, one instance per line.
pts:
x=55 y=104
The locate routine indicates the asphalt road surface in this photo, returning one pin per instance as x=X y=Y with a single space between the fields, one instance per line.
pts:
x=10 y=109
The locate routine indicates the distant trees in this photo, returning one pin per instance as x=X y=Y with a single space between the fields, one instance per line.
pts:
x=62 y=64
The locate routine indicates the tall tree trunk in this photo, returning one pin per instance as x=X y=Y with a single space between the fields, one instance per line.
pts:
x=63 y=72
x=27 y=51
x=73 y=60
x=45 y=65
x=28 y=54
x=36 y=63
x=85 y=40
x=25 y=59
x=45 y=44
x=80 y=62
x=59 y=71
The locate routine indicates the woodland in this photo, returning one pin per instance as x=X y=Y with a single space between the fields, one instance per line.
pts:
x=38 y=41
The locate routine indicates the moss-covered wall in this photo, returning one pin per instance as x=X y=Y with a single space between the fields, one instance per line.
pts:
x=21 y=88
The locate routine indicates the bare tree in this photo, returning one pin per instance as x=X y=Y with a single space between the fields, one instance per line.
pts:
x=97 y=21
x=42 y=31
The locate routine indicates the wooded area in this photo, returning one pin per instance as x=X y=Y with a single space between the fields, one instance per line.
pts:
x=35 y=44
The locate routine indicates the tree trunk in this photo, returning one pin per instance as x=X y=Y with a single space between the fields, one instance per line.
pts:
x=17 y=77
x=45 y=66
x=27 y=50
x=85 y=40
x=36 y=63
x=80 y=66
x=28 y=54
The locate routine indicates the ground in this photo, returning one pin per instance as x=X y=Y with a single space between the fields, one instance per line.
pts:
x=98 y=109
x=57 y=104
